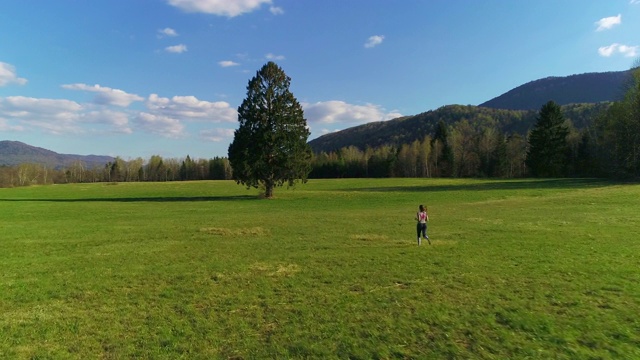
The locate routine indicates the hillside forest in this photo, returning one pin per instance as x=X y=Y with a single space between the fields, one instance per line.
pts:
x=597 y=140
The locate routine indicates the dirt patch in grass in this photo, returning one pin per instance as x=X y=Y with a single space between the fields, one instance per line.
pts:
x=368 y=237
x=254 y=231
x=274 y=269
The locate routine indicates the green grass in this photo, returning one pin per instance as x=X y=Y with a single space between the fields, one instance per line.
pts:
x=533 y=269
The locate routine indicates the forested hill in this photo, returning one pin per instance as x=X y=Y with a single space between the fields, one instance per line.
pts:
x=574 y=89
x=405 y=130
x=15 y=153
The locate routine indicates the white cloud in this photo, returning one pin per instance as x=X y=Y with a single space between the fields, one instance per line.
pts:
x=394 y=114
x=59 y=116
x=106 y=95
x=51 y=115
x=327 y=131
x=340 y=112
x=217 y=135
x=276 y=10
x=228 y=8
x=374 y=41
x=167 y=117
x=176 y=49
x=271 y=56
x=633 y=2
x=159 y=125
x=20 y=106
x=5 y=126
x=167 y=32
x=608 y=22
x=607 y=51
x=8 y=75
x=626 y=50
x=117 y=122
x=190 y=108
x=227 y=63
x=58 y=128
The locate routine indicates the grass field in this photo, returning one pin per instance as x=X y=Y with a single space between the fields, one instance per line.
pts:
x=536 y=269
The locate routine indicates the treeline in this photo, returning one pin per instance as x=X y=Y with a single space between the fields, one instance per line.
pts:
x=466 y=149
x=615 y=138
x=155 y=168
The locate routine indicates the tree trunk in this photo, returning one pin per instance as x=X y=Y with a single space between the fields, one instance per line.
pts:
x=268 y=189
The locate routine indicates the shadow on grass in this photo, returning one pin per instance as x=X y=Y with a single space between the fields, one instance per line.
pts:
x=484 y=185
x=146 y=199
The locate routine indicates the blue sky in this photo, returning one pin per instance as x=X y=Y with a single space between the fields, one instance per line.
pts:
x=135 y=78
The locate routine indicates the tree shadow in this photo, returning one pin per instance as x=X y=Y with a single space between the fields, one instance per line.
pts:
x=142 y=199
x=529 y=184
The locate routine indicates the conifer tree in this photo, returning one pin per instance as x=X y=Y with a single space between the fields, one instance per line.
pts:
x=443 y=153
x=270 y=145
x=618 y=132
x=547 y=155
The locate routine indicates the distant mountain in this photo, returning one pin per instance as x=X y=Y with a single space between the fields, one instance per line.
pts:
x=406 y=129
x=15 y=153
x=581 y=97
x=564 y=90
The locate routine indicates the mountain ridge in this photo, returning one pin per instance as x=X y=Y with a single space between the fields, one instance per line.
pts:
x=15 y=152
x=581 y=96
x=407 y=129
x=573 y=89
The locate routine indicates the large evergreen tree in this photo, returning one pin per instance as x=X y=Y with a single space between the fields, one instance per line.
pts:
x=442 y=153
x=270 y=145
x=619 y=132
x=548 y=149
